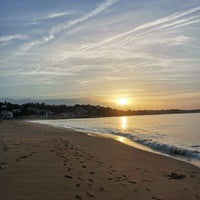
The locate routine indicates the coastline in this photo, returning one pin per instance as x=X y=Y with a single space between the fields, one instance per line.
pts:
x=42 y=162
x=178 y=148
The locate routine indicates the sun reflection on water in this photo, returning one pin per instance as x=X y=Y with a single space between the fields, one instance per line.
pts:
x=124 y=123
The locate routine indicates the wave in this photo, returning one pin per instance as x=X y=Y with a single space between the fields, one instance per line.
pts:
x=170 y=149
x=140 y=139
x=154 y=145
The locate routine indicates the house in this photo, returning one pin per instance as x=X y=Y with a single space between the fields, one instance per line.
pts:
x=7 y=115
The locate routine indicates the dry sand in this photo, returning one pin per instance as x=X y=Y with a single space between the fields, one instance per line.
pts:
x=40 y=162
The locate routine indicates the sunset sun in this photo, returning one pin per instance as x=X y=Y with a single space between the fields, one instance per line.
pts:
x=122 y=101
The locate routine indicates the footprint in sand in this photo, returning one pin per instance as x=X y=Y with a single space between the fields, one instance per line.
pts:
x=99 y=162
x=23 y=157
x=197 y=196
x=69 y=169
x=65 y=162
x=81 y=179
x=91 y=180
x=156 y=198
x=90 y=195
x=101 y=189
x=78 y=185
x=2 y=163
x=67 y=176
x=78 y=197
x=5 y=148
x=123 y=184
x=133 y=182
x=147 y=181
x=147 y=189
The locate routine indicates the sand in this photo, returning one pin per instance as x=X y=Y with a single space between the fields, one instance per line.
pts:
x=40 y=162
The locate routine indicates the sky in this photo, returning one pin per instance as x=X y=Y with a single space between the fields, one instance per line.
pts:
x=97 y=51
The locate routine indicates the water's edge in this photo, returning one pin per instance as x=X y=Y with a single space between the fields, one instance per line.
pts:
x=129 y=142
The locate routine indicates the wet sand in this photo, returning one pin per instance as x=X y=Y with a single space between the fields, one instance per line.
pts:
x=41 y=162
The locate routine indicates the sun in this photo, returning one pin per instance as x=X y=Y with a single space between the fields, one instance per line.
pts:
x=122 y=101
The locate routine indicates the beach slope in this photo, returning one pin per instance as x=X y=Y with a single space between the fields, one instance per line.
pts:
x=41 y=162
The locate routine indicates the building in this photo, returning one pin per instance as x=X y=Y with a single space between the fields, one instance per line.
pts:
x=7 y=115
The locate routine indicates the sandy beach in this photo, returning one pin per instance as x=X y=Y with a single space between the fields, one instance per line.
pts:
x=41 y=162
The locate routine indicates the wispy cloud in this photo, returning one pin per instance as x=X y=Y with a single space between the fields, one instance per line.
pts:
x=12 y=37
x=51 y=16
x=187 y=23
x=161 y=23
x=180 y=21
x=109 y=50
x=51 y=73
x=119 y=49
x=59 y=14
x=54 y=31
x=95 y=80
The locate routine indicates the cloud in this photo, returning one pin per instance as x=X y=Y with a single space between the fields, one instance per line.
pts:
x=94 y=80
x=161 y=23
x=51 y=16
x=181 y=21
x=60 y=14
x=12 y=37
x=187 y=23
x=61 y=27
x=49 y=73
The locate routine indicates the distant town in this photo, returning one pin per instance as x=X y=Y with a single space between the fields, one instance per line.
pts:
x=44 y=111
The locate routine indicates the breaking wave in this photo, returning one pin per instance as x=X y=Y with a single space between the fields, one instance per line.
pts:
x=169 y=149
x=171 y=134
x=154 y=145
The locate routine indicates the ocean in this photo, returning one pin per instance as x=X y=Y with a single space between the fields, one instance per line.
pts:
x=174 y=135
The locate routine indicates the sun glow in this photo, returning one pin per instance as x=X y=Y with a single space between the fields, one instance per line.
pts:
x=122 y=101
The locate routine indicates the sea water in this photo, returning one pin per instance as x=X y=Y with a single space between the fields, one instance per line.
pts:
x=175 y=135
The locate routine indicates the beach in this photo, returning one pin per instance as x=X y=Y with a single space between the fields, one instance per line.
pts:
x=42 y=162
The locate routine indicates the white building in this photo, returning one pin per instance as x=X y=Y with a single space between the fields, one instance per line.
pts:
x=7 y=114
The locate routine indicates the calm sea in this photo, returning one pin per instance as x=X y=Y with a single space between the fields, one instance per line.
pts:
x=176 y=135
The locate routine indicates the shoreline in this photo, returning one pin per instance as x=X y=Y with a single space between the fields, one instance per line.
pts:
x=51 y=163
x=130 y=143
x=125 y=141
